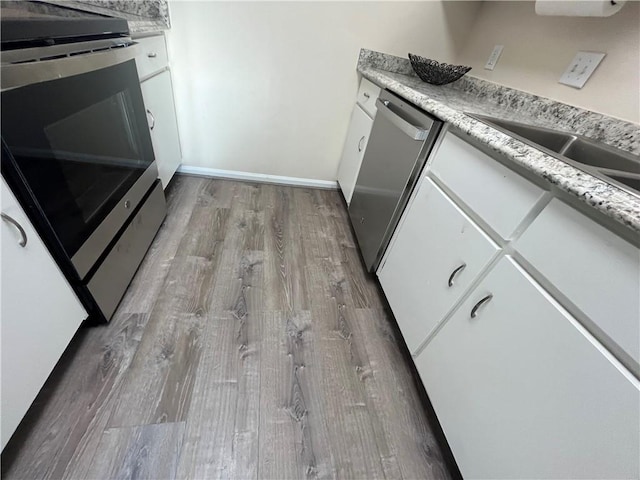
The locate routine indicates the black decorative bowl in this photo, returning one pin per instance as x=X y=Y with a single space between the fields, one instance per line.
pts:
x=436 y=73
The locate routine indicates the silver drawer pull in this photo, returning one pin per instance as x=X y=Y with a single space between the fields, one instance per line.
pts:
x=474 y=310
x=153 y=119
x=23 y=234
x=366 y=95
x=360 y=144
x=152 y=54
x=455 y=272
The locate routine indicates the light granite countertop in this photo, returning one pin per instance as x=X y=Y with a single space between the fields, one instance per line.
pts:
x=450 y=102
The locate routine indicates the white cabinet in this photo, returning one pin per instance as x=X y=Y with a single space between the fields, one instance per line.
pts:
x=522 y=391
x=153 y=55
x=40 y=314
x=367 y=95
x=436 y=252
x=158 y=98
x=536 y=382
x=595 y=269
x=499 y=196
x=357 y=137
x=157 y=92
x=354 y=146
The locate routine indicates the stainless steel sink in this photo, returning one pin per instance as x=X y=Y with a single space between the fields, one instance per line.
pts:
x=545 y=137
x=600 y=156
x=602 y=161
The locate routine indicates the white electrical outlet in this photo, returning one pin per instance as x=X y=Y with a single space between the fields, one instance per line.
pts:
x=581 y=68
x=493 y=58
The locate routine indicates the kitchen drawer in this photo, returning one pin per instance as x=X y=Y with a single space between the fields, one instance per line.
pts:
x=152 y=56
x=499 y=196
x=436 y=254
x=367 y=95
x=595 y=269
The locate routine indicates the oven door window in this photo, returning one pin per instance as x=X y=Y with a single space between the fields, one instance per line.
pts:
x=80 y=142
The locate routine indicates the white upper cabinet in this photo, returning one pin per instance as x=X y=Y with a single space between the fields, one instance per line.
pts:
x=499 y=196
x=595 y=269
x=40 y=314
x=436 y=253
x=523 y=391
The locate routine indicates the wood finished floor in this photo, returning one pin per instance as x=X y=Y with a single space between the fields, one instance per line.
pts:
x=250 y=344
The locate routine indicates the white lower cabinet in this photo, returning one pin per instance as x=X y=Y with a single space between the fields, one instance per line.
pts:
x=157 y=93
x=40 y=314
x=353 y=152
x=522 y=391
x=436 y=253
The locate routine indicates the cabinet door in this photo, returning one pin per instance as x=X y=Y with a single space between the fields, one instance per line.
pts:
x=522 y=391
x=158 y=98
x=434 y=240
x=354 y=146
x=40 y=315
x=576 y=254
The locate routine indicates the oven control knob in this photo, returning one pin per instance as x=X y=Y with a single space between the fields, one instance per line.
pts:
x=127 y=204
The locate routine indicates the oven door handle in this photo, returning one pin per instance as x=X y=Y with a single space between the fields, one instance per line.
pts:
x=15 y=75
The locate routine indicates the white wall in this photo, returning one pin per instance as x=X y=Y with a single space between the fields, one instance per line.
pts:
x=537 y=50
x=268 y=87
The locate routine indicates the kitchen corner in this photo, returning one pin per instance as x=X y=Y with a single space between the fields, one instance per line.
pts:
x=452 y=102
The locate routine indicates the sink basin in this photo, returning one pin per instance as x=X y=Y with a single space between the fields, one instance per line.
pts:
x=545 y=137
x=601 y=156
x=602 y=161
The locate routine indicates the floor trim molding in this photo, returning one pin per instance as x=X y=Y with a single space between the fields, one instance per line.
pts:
x=258 y=177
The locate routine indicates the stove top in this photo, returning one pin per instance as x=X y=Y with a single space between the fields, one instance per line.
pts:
x=35 y=24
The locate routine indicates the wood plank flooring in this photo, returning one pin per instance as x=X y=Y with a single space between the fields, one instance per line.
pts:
x=250 y=344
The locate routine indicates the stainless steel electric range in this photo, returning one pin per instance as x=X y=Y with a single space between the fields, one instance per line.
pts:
x=76 y=149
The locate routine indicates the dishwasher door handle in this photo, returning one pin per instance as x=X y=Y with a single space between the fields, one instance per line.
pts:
x=407 y=128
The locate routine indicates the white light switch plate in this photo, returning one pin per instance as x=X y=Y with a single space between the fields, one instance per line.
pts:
x=581 y=68
x=493 y=58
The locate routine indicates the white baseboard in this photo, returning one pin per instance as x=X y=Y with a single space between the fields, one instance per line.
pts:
x=258 y=177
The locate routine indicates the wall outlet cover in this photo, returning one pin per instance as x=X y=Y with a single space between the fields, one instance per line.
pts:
x=581 y=68
x=493 y=58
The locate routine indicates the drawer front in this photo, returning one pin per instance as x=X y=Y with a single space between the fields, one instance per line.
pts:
x=436 y=254
x=595 y=269
x=153 y=55
x=367 y=95
x=501 y=197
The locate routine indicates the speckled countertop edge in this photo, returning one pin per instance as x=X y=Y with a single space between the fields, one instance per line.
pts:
x=602 y=196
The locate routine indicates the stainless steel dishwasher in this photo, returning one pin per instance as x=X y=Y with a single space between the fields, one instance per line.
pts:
x=401 y=139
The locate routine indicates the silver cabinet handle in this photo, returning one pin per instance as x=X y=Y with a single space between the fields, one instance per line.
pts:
x=153 y=119
x=455 y=272
x=474 y=310
x=23 y=234
x=405 y=127
x=360 y=144
x=152 y=54
x=366 y=95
